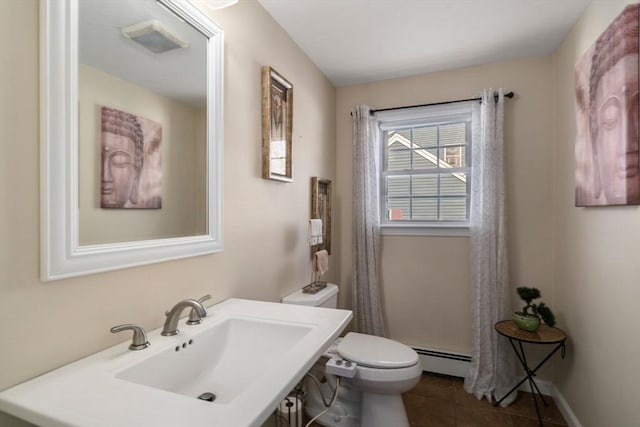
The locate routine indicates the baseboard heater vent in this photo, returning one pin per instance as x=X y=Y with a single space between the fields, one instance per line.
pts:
x=441 y=362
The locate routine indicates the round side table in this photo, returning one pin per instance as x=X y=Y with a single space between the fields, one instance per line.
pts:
x=544 y=335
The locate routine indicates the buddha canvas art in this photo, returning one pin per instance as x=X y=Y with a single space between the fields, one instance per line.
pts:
x=606 y=149
x=131 y=163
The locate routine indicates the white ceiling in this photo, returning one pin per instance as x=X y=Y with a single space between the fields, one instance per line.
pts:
x=358 y=41
x=178 y=74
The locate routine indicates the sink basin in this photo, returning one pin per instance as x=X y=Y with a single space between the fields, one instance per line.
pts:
x=220 y=360
x=249 y=354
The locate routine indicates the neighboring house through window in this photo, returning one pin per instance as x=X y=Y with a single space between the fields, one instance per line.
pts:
x=425 y=171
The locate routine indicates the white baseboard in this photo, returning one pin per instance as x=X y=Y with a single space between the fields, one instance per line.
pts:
x=549 y=389
x=565 y=409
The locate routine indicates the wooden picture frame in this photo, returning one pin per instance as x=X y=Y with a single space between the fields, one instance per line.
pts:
x=321 y=208
x=277 y=125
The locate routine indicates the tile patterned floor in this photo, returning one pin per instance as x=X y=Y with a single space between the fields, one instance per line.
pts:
x=440 y=401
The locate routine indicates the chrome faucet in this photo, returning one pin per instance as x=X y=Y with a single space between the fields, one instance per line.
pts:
x=171 y=322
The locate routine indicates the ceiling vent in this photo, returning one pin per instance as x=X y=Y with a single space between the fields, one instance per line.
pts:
x=154 y=36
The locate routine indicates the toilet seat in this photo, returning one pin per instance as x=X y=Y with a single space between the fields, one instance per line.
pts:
x=376 y=352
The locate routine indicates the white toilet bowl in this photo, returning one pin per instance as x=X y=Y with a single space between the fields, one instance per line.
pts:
x=386 y=381
x=384 y=370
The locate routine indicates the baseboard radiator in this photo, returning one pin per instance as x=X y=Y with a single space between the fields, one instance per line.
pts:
x=443 y=362
x=457 y=365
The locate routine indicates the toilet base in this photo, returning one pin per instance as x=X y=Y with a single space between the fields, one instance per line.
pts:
x=354 y=408
x=345 y=412
x=383 y=410
x=337 y=416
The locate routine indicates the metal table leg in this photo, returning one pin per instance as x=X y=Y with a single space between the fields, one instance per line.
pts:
x=530 y=374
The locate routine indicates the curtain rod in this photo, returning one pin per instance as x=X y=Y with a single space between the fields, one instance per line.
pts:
x=507 y=95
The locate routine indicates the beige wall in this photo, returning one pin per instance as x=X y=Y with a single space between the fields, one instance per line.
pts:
x=183 y=142
x=596 y=274
x=46 y=325
x=579 y=257
x=426 y=279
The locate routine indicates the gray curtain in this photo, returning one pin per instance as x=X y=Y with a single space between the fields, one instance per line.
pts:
x=492 y=371
x=366 y=227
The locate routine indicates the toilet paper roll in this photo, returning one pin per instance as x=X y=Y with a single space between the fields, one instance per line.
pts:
x=290 y=410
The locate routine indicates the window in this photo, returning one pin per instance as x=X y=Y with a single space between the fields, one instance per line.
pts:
x=425 y=180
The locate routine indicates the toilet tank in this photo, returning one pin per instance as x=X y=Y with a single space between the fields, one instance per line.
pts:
x=328 y=297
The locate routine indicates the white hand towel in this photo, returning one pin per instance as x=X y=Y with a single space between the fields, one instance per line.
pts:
x=321 y=262
x=315 y=231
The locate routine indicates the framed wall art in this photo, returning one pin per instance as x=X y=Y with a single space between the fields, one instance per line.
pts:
x=131 y=175
x=321 y=208
x=606 y=103
x=277 y=121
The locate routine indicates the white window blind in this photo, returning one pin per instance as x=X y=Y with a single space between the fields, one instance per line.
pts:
x=425 y=179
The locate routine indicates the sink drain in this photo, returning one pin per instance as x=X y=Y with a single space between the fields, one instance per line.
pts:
x=209 y=397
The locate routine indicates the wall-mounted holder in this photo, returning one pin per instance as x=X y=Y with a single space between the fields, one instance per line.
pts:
x=321 y=208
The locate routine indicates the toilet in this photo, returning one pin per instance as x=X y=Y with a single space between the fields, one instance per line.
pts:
x=384 y=370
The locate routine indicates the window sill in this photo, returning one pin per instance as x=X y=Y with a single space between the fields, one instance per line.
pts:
x=421 y=230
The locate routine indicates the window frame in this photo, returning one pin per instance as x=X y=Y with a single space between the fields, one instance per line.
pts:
x=432 y=115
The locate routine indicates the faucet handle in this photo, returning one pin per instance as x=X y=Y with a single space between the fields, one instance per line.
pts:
x=139 y=341
x=194 y=318
x=203 y=298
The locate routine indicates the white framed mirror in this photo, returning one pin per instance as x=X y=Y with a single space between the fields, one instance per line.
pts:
x=131 y=134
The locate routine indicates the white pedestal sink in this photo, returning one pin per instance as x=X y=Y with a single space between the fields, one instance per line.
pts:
x=249 y=354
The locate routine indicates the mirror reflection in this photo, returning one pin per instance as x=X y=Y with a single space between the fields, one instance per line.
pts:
x=142 y=108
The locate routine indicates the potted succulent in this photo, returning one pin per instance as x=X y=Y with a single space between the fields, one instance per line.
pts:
x=531 y=314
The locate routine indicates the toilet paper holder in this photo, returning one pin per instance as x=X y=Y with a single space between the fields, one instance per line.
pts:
x=290 y=411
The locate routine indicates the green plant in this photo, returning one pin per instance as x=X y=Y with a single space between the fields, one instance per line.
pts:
x=540 y=310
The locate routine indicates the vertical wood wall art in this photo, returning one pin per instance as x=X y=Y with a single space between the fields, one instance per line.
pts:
x=277 y=125
x=321 y=208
